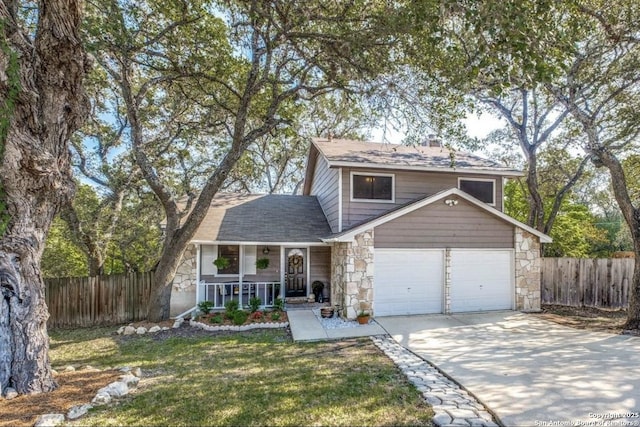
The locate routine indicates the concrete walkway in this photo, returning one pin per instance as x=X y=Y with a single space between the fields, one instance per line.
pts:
x=529 y=371
x=305 y=326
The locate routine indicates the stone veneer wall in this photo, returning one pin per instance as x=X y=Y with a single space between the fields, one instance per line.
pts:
x=352 y=275
x=183 y=290
x=528 y=271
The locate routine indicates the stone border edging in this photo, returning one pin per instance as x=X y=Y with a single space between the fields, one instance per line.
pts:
x=451 y=403
x=213 y=328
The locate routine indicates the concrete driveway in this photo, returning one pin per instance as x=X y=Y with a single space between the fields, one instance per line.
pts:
x=529 y=371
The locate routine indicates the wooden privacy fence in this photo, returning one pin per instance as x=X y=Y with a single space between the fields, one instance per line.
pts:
x=101 y=300
x=578 y=282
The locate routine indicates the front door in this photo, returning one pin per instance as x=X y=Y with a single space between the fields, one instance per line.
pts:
x=296 y=275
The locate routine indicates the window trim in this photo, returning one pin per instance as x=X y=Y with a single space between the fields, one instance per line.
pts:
x=240 y=260
x=493 y=181
x=393 y=187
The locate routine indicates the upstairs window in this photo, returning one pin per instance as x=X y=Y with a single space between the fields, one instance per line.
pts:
x=482 y=189
x=372 y=187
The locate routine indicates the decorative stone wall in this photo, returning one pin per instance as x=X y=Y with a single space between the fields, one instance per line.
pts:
x=352 y=275
x=528 y=271
x=183 y=290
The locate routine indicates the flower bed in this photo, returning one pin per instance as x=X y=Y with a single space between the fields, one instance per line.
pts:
x=255 y=320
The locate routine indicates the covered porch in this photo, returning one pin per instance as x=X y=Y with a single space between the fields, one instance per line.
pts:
x=240 y=271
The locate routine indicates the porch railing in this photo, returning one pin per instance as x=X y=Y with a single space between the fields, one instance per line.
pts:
x=220 y=293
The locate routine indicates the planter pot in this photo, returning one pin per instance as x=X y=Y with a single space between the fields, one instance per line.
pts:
x=363 y=320
x=326 y=312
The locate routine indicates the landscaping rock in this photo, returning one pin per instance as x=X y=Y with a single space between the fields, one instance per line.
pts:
x=10 y=393
x=101 y=399
x=154 y=329
x=125 y=369
x=141 y=330
x=115 y=389
x=130 y=380
x=90 y=368
x=137 y=372
x=165 y=328
x=69 y=368
x=48 y=420
x=78 y=411
x=120 y=330
x=129 y=330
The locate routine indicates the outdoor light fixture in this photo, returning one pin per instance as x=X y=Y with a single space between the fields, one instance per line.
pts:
x=265 y=250
x=450 y=202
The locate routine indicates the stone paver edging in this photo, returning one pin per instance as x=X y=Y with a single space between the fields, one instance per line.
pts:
x=452 y=405
x=270 y=325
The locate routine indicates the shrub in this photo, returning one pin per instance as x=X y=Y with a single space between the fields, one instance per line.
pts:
x=216 y=319
x=231 y=307
x=239 y=317
x=278 y=304
x=257 y=315
x=275 y=315
x=205 y=307
x=254 y=304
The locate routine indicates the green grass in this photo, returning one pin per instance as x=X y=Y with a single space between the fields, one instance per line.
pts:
x=253 y=378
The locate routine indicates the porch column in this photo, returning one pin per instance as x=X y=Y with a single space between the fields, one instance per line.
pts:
x=352 y=275
x=527 y=271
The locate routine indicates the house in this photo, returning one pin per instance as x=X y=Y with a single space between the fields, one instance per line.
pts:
x=390 y=229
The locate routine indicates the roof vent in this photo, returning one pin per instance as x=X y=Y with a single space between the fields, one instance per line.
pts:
x=432 y=141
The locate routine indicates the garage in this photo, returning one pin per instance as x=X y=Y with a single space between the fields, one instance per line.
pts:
x=408 y=281
x=411 y=281
x=481 y=280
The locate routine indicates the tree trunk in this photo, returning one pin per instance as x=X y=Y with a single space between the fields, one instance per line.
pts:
x=632 y=217
x=160 y=303
x=43 y=103
x=633 y=313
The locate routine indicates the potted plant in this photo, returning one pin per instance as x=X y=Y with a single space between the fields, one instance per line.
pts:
x=317 y=288
x=221 y=263
x=262 y=263
x=363 y=317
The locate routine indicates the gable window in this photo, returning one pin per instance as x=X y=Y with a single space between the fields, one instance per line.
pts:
x=482 y=189
x=232 y=254
x=372 y=187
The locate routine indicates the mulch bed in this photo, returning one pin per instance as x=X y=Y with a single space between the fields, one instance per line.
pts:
x=591 y=318
x=74 y=388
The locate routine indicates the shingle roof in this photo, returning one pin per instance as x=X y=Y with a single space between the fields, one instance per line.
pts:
x=263 y=218
x=344 y=152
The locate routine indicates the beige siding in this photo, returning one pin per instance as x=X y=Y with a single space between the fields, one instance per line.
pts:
x=441 y=226
x=269 y=274
x=325 y=187
x=320 y=264
x=409 y=186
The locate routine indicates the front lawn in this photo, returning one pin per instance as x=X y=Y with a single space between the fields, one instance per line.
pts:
x=251 y=378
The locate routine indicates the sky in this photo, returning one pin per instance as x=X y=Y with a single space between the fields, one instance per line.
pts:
x=477 y=126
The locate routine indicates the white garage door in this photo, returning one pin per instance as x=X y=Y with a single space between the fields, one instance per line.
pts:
x=408 y=281
x=481 y=280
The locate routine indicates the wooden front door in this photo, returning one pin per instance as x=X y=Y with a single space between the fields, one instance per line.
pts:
x=296 y=275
